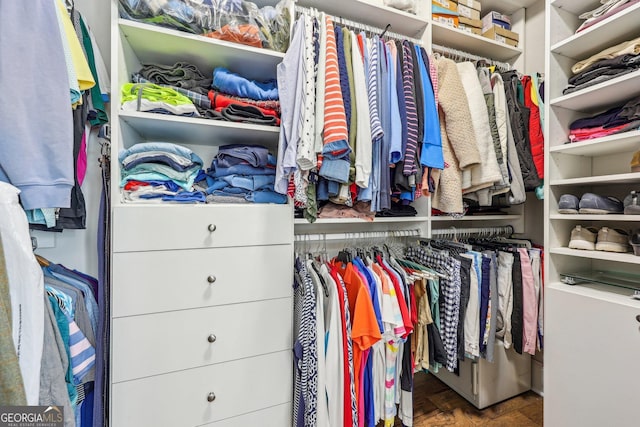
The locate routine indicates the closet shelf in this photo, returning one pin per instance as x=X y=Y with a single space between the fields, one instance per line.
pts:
x=623 y=178
x=475 y=218
x=627 y=258
x=457 y=39
x=377 y=220
x=200 y=131
x=620 y=143
x=617 y=28
x=606 y=93
x=598 y=291
x=506 y=6
x=576 y=7
x=153 y=44
x=369 y=13
x=587 y=217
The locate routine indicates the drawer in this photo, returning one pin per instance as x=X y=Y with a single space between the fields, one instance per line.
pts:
x=276 y=416
x=151 y=282
x=149 y=228
x=181 y=399
x=153 y=344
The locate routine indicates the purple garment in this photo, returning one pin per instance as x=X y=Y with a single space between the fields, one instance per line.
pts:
x=612 y=12
x=485 y=284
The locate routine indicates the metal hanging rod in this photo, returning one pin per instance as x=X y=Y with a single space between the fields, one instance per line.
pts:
x=453 y=232
x=358 y=25
x=461 y=54
x=355 y=235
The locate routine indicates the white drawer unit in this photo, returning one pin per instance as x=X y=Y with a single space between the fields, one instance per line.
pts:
x=151 y=282
x=165 y=342
x=151 y=228
x=198 y=396
x=276 y=416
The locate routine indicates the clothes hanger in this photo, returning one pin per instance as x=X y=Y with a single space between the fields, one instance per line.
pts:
x=42 y=261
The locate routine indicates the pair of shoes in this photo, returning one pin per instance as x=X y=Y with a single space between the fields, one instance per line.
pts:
x=590 y=203
x=635 y=162
x=634 y=240
x=606 y=239
x=632 y=203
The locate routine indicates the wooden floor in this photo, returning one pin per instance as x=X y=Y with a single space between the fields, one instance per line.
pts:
x=435 y=404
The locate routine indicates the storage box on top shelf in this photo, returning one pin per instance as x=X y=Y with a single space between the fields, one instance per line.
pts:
x=470 y=25
x=501 y=35
x=451 y=6
x=468 y=12
x=450 y=20
x=473 y=4
x=495 y=18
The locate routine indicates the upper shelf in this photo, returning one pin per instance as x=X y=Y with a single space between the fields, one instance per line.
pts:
x=623 y=178
x=475 y=218
x=506 y=6
x=613 y=30
x=482 y=46
x=576 y=7
x=153 y=44
x=160 y=127
x=620 y=143
x=302 y=221
x=606 y=93
x=372 y=13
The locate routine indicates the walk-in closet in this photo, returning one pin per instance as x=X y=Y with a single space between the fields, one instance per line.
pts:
x=278 y=213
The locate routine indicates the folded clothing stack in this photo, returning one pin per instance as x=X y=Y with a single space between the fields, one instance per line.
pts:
x=154 y=98
x=607 y=9
x=615 y=120
x=613 y=62
x=240 y=174
x=160 y=172
x=239 y=99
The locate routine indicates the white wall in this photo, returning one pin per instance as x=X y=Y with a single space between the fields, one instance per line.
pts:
x=78 y=248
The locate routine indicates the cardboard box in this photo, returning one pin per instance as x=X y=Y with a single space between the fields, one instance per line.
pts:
x=467 y=12
x=450 y=20
x=444 y=4
x=468 y=29
x=473 y=4
x=501 y=35
x=495 y=18
x=476 y=23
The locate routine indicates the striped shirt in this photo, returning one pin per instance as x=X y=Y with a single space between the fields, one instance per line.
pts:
x=335 y=121
x=83 y=355
x=412 y=113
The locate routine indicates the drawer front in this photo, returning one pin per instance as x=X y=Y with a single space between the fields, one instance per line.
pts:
x=149 y=228
x=151 y=282
x=277 y=416
x=158 y=343
x=180 y=399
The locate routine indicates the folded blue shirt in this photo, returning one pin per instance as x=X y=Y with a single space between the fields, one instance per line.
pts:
x=161 y=146
x=233 y=84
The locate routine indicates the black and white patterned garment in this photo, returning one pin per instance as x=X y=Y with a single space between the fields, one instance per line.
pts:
x=450 y=296
x=305 y=308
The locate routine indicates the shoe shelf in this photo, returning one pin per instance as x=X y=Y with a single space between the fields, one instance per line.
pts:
x=153 y=44
x=615 y=29
x=506 y=6
x=598 y=291
x=628 y=258
x=454 y=38
x=606 y=93
x=591 y=217
x=620 y=143
x=373 y=13
x=623 y=178
x=177 y=129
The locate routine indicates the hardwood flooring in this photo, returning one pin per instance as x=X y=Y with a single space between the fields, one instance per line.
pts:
x=436 y=405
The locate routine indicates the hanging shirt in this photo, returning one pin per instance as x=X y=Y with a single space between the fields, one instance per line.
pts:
x=431 y=155
x=291 y=80
x=363 y=144
x=395 y=146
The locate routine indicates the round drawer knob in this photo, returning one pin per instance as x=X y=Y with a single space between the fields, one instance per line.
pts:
x=212 y=338
x=212 y=227
x=211 y=397
x=638 y=317
x=211 y=279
